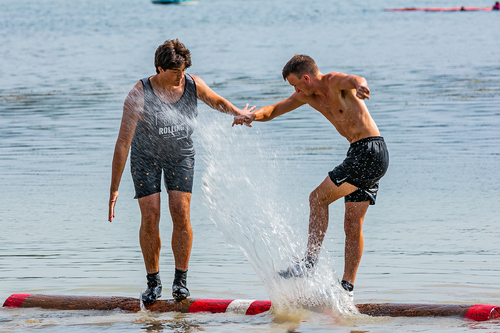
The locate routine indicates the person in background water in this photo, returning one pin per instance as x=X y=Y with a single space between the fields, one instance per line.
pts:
x=339 y=97
x=157 y=123
x=496 y=6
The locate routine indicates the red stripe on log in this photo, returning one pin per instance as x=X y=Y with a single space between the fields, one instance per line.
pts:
x=15 y=300
x=258 y=307
x=482 y=312
x=210 y=305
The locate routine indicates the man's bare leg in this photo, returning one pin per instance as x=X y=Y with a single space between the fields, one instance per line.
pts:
x=319 y=200
x=149 y=238
x=182 y=240
x=353 y=226
x=182 y=233
x=149 y=233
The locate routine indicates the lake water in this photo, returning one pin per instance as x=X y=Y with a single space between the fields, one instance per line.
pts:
x=66 y=67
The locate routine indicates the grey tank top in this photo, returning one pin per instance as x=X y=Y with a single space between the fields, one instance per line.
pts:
x=165 y=128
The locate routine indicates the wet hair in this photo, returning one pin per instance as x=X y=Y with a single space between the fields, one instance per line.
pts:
x=299 y=65
x=171 y=55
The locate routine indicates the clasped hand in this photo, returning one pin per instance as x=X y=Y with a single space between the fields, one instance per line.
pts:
x=245 y=119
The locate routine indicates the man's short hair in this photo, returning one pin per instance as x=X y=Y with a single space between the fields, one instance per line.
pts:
x=171 y=55
x=299 y=65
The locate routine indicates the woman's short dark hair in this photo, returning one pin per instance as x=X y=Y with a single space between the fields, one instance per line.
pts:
x=299 y=65
x=171 y=55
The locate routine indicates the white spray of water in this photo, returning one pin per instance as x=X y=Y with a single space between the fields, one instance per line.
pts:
x=242 y=191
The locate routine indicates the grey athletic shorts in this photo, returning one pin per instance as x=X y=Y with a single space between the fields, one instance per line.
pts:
x=178 y=174
x=366 y=162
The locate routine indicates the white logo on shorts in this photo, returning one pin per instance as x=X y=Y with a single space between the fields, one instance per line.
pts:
x=342 y=180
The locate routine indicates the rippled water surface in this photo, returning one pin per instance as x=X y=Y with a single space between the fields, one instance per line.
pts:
x=66 y=67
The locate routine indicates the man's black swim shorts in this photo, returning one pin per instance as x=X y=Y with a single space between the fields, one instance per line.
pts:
x=366 y=162
x=178 y=174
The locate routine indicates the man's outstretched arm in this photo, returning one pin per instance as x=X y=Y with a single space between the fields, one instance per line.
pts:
x=269 y=112
x=215 y=101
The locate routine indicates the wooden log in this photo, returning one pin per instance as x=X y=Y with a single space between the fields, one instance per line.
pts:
x=59 y=302
x=413 y=310
x=478 y=312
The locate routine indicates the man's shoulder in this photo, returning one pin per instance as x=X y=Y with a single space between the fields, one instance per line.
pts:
x=335 y=80
x=195 y=78
x=334 y=77
x=136 y=93
x=199 y=83
x=138 y=88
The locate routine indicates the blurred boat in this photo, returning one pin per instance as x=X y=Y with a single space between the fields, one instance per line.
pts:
x=172 y=1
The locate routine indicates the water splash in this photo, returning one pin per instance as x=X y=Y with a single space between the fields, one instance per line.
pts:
x=243 y=191
x=143 y=307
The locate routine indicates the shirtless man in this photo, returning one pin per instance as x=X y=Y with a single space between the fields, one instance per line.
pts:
x=157 y=123
x=339 y=97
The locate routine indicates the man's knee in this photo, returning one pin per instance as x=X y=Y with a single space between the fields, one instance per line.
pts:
x=181 y=219
x=354 y=216
x=352 y=227
x=150 y=219
x=316 y=199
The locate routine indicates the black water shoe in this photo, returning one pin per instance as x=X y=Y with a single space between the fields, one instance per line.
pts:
x=348 y=287
x=298 y=268
x=153 y=292
x=180 y=291
x=179 y=288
